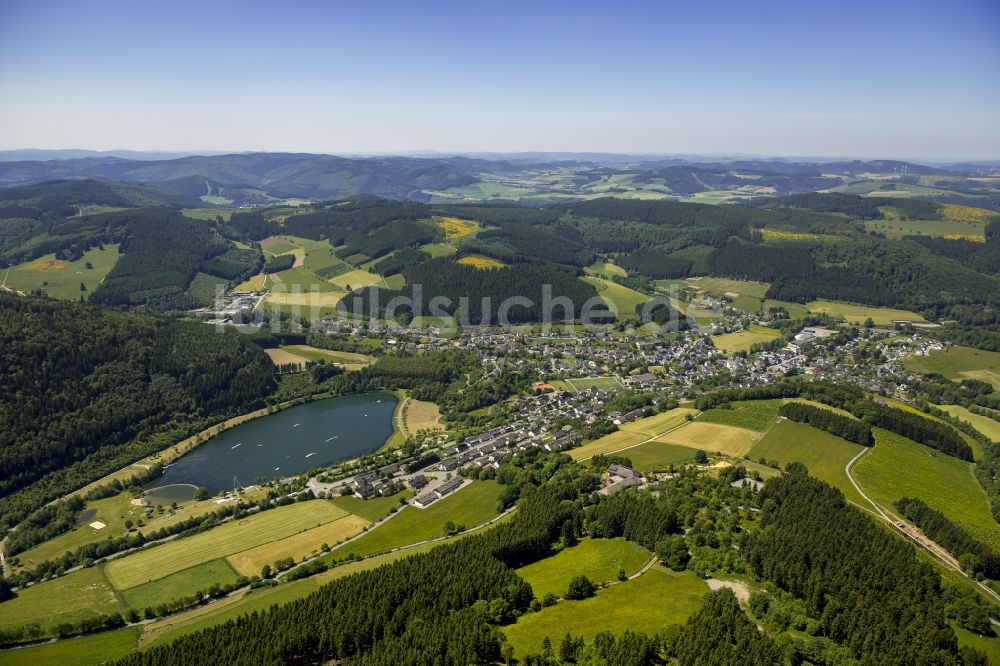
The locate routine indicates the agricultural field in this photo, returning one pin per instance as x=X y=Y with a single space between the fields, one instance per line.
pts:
x=615 y=441
x=757 y=415
x=648 y=604
x=181 y=584
x=61 y=279
x=823 y=454
x=727 y=288
x=355 y=279
x=983 y=424
x=469 y=506
x=76 y=596
x=742 y=341
x=307 y=304
x=256 y=283
x=898 y=467
x=350 y=360
x=622 y=300
x=653 y=456
x=226 y=539
x=81 y=651
x=455 y=228
x=958 y=363
x=284 y=357
x=298 y=546
x=657 y=424
x=600 y=383
x=598 y=559
x=480 y=262
x=858 y=314
x=726 y=440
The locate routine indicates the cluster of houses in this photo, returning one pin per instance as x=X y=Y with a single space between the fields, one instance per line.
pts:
x=619 y=478
x=446 y=488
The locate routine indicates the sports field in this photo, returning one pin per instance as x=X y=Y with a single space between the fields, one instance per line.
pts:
x=744 y=340
x=983 y=424
x=70 y=598
x=825 y=455
x=858 y=314
x=469 y=506
x=757 y=415
x=958 y=363
x=598 y=559
x=898 y=467
x=648 y=604
x=181 y=584
x=298 y=546
x=659 y=423
x=726 y=440
x=61 y=279
x=618 y=297
x=653 y=456
x=599 y=383
x=231 y=537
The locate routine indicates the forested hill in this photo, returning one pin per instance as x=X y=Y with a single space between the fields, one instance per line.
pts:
x=86 y=390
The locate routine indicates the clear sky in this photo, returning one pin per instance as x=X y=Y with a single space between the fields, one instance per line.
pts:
x=908 y=79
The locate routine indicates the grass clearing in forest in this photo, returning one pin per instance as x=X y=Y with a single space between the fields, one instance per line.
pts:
x=598 y=559
x=648 y=604
x=230 y=537
x=898 y=467
x=481 y=263
x=455 y=228
x=61 y=279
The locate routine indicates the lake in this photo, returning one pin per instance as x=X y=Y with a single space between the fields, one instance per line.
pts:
x=286 y=443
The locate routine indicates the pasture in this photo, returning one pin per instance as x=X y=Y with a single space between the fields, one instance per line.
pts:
x=481 y=263
x=615 y=441
x=726 y=440
x=825 y=455
x=654 y=456
x=298 y=546
x=469 y=506
x=660 y=423
x=858 y=314
x=898 y=467
x=958 y=363
x=648 y=604
x=742 y=341
x=70 y=598
x=61 y=279
x=231 y=537
x=983 y=424
x=757 y=415
x=597 y=559
x=619 y=298
x=80 y=651
x=181 y=584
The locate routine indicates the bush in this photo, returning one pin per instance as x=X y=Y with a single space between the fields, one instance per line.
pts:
x=580 y=587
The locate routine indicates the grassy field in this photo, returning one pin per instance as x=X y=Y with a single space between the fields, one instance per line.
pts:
x=231 y=537
x=757 y=415
x=857 y=314
x=469 y=506
x=599 y=383
x=355 y=279
x=372 y=510
x=350 y=360
x=744 y=340
x=597 y=559
x=647 y=604
x=944 y=228
x=654 y=456
x=298 y=546
x=726 y=440
x=622 y=300
x=180 y=584
x=608 y=444
x=659 y=423
x=983 y=424
x=112 y=511
x=605 y=269
x=480 y=262
x=897 y=467
x=420 y=415
x=70 y=598
x=439 y=249
x=958 y=363
x=822 y=453
x=82 y=651
x=61 y=279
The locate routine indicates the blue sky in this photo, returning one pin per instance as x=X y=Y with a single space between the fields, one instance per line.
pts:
x=910 y=79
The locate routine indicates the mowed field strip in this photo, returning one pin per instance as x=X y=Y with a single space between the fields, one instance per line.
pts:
x=249 y=562
x=633 y=434
x=728 y=440
x=232 y=537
